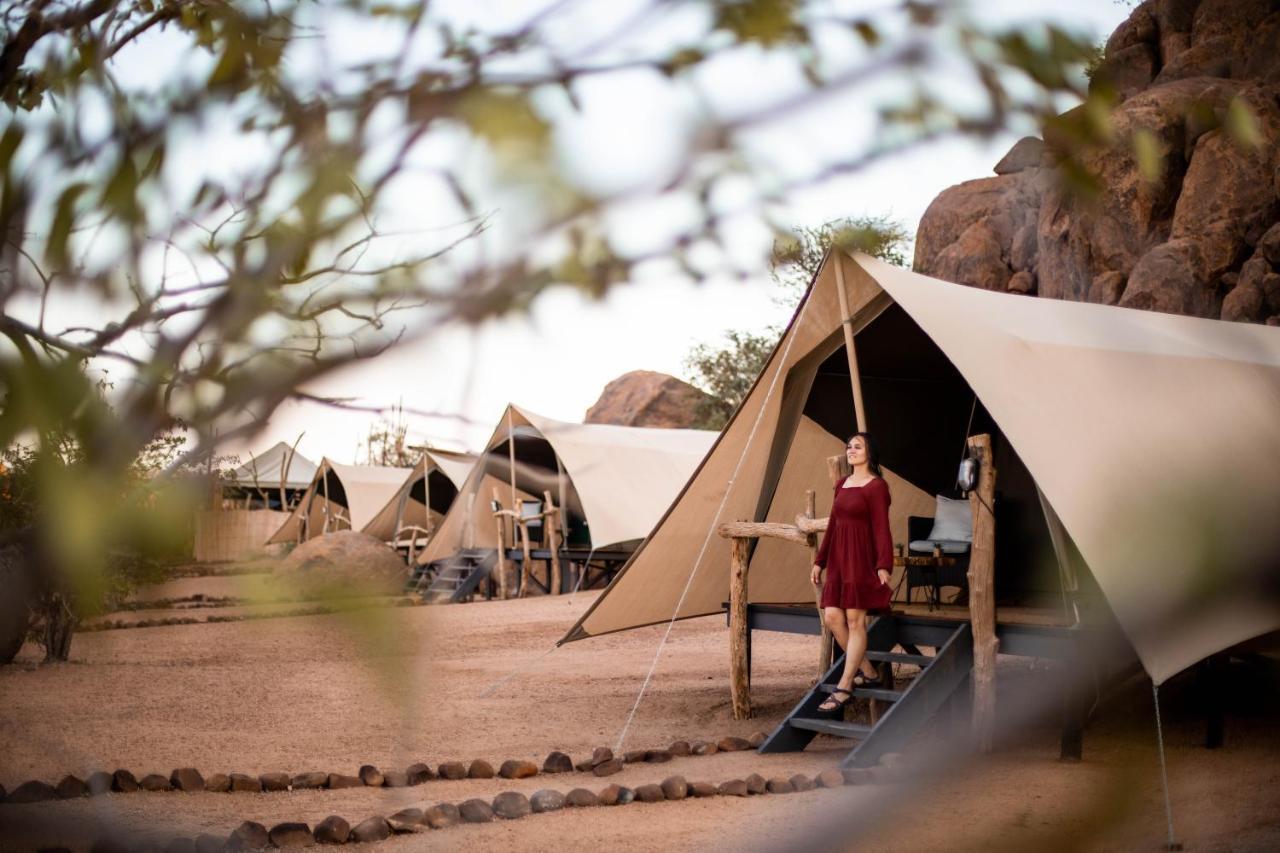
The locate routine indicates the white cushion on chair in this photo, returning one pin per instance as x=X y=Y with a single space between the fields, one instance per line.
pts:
x=949 y=546
x=952 y=521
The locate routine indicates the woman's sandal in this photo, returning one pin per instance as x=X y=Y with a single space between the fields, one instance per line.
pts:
x=861 y=679
x=839 y=703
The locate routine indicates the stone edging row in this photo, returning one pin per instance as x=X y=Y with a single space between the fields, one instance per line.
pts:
x=188 y=779
x=316 y=610
x=508 y=805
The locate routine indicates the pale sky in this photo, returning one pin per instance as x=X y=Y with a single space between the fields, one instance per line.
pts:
x=557 y=360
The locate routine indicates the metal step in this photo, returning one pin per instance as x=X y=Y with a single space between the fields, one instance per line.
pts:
x=900 y=657
x=880 y=693
x=831 y=727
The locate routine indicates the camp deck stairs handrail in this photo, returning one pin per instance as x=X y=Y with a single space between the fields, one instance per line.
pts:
x=940 y=675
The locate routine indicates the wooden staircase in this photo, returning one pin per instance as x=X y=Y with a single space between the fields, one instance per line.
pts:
x=455 y=577
x=909 y=709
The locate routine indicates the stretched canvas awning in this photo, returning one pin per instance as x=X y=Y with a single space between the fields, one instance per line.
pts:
x=348 y=496
x=263 y=470
x=1154 y=438
x=622 y=478
x=425 y=495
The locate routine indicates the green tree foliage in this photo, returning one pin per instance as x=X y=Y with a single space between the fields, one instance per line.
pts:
x=727 y=371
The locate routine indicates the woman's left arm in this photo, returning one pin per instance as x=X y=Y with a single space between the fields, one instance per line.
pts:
x=881 y=538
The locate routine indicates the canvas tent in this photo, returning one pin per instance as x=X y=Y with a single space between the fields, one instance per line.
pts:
x=613 y=482
x=425 y=495
x=1152 y=437
x=258 y=482
x=340 y=497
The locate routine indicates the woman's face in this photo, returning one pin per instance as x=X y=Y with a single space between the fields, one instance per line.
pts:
x=856 y=452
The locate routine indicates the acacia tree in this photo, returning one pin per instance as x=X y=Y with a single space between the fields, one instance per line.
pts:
x=211 y=232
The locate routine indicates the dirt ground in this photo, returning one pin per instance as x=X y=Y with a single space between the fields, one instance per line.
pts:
x=393 y=686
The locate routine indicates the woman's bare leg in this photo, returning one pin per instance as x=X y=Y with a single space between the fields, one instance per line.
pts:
x=856 y=650
x=838 y=624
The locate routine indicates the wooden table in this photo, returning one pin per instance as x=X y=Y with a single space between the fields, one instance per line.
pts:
x=930 y=564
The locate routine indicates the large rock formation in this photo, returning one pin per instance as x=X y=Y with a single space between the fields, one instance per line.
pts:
x=643 y=398
x=345 y=563
x=1197 y=234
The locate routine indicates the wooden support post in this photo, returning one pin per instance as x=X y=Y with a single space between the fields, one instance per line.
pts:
x=739 y=667
x=527 y=562
x=328 y=510
x=824 y=649
x=851 y=351
x=982 y=607
x=552 y=526
x=502 y=547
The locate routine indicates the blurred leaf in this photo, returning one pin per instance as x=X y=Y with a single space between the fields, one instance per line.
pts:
x=1146 y=151
x=765 y=22
x=1242 y=125
x=63 y=221
x=869 y=34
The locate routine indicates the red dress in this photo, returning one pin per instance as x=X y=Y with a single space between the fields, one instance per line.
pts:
x=857 y=543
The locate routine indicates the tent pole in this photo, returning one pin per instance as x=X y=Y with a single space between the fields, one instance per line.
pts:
x=982 y=603
x=511 y=455
x=328 y=510
x=846 y=323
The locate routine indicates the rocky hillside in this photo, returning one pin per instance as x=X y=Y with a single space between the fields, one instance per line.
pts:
x=1200 y=237
x=646 y=399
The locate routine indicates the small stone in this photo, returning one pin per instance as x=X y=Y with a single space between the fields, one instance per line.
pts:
x=857 y=776
x=547 y=800
x=608 y=768
x=242 y=783
x=733 y=788
x=442 y=816
x=584 y=766
x=395 y=779
x=476 y=811
x=124 y=782
x=32 y=792
x=632 y=756
x=337 y=781
x=332 y=830
x=305 y=781
x=1022 y=282
x=187 y=779
x=757 y=784
x=218 y=783
x=557 y=762
x=370 y=776
x=675 y=788
x=407 y=820
x=780 y=785
x=480 y=769
x=702 y=790
x=206 y=843
x=72 y=788
x=154 y=782
x=657 y=756
x=371 y=829
x=249 y=835
x=514 y=769
x=510 y=805
x=701 y=747
x=680 y=747
x=180 y=845
x=274 y=781
x=419 y=773
x=650 y=794
x=756 y=739
x=830 y=778
x=733 y=744
x=616 y=795
x=452 y=770
x=581 y=798
x=99 y=782
x=801 y=782
x=291 y=835
x=601 y=754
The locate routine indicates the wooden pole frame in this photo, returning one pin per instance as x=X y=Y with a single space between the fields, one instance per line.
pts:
x=502 y=547
x=982 y=607
x=549 y=513
x=825 y=646
x=851 y=352
x=739 y=665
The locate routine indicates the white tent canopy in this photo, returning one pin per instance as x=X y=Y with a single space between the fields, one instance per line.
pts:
x=1155 y=439
x=622 y=478
x=404 y=508
x=263 y=470
x=340 y=497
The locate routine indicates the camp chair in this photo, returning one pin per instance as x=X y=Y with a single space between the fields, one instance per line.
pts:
x=950 y=530
x=532 y=510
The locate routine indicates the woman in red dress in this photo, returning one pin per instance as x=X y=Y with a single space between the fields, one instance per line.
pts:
x=857 y=553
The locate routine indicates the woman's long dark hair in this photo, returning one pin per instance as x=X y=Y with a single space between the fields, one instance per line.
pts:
x=873 y=452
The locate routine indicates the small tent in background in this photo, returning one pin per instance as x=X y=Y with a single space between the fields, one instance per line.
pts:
x=612 y=482
x=255 y=500
x=416 y=509
x=1152 y=437
x=340 y=497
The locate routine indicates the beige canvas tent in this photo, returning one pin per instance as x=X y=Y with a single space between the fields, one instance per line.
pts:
x=1152 y=437
x=613 y=482
x=340 y=497
x=274 y=479
x=424 y=497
